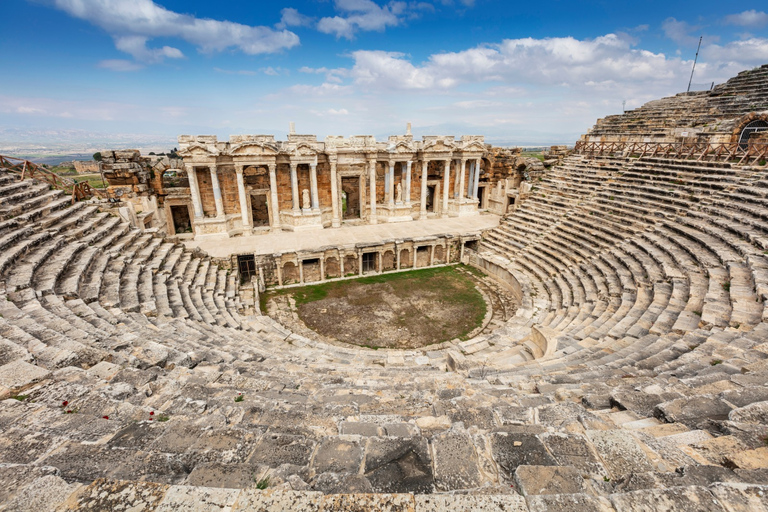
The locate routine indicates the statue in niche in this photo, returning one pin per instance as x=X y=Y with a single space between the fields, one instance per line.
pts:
x=305 y=199
x=398 y=193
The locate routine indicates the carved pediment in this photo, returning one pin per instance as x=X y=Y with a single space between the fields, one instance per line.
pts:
x=403 y=147
x=254 y=149
x=304 y=150
x=437 y=146
x=197 y=150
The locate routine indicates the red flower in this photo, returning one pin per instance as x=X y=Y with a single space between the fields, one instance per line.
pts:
x=152 y=413
x=105 y=417
x=64 y=403
x=69 y=412
x=150 y=419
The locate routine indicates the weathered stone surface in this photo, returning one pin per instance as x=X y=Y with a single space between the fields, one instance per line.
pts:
x=340 y=483
x=233 y=476
x=470 y=503
x=19 y=375
x=737 y=497
x=693 y=411
x=105 y=494
x=44 y=493
x=752 y=413
x=567 y=503
x=511 y=450
x=276 y=449
x=749 y=459
x=574 y=450
x=368 y=503
x=337 y=456
x=619 y=451
x=397 y=465
x=186 y=498
x=549 y=480
x=254 y=500
x=677 y=499
x=456 y=465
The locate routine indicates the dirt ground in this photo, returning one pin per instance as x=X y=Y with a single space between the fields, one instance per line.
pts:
x=401 y=310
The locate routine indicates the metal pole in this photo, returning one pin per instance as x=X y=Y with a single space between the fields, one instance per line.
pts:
x=694 y=64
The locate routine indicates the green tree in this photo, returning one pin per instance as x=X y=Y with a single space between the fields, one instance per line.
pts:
x=97 y=156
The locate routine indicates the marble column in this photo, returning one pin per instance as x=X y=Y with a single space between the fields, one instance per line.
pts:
x=360 y=264
x=295 y=188
x=274 y=204
x=194 y=191
x=446 y=185
x=313 y=186
x=456 y=181
x=391 y=186
x=407 y=191
x=477 y=180
x=243 y=203
x=322 y=269
x=301 y=271
x=335 y=219
x=471 y=183
x=217 y=192
x=462 y=170
x=372 y=179
x=423 y=208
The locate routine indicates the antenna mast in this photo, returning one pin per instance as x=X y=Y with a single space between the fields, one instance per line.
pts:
x=694 y=63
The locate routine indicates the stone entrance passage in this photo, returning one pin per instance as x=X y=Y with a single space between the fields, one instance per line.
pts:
x=181 y=222
x=259 y=210
x=351 y=195
x=369 y=262
x=430 y=198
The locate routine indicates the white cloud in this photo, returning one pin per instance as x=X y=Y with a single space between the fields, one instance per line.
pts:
x=362 y=15
x=565 y=60
x=290 y=17
x=738 y=55
x=750 y=18
x=133 y=23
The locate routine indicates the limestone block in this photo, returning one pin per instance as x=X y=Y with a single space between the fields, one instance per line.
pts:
x=574 y=450
x=255 y=500
x=399 y=465
x=677 y=499
x=45 y=493
x=368 y=503
x=104 y=494
x=275 y=449
x=180 y=498
x=231 y=476
x=549 y=480
x=752 y=413
x=738 y=497
x=470 y=503
x=692 y=411
x=455 y=463
x=568 y=503
x=511 y=450
x=619 y=451
x=19 y=375
x=360 y=429
x=104 y=370
x=749 y=459
x=338 y=456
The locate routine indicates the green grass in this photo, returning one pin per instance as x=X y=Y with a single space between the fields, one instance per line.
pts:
x=452 y=287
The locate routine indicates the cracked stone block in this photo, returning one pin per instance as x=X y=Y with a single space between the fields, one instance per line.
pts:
x=549 y=480
x=337 y=456
x=568 y=503
x=511 y=450
x=620 y=452
x=399 y=465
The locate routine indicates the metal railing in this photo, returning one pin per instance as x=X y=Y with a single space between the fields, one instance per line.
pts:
x=741 y=154
x=26 y=169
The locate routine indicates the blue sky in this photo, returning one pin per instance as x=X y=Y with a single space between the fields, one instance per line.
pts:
x=515 y=72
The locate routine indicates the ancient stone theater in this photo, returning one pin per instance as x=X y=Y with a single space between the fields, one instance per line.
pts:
x=157 y=350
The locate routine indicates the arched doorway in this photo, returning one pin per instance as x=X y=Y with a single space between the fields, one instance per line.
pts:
x=751 y=128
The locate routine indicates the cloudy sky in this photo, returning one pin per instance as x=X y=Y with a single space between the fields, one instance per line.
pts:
x=515 y=72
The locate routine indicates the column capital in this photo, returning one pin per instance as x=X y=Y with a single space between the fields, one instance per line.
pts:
x=239 y=168
x=272 y=167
